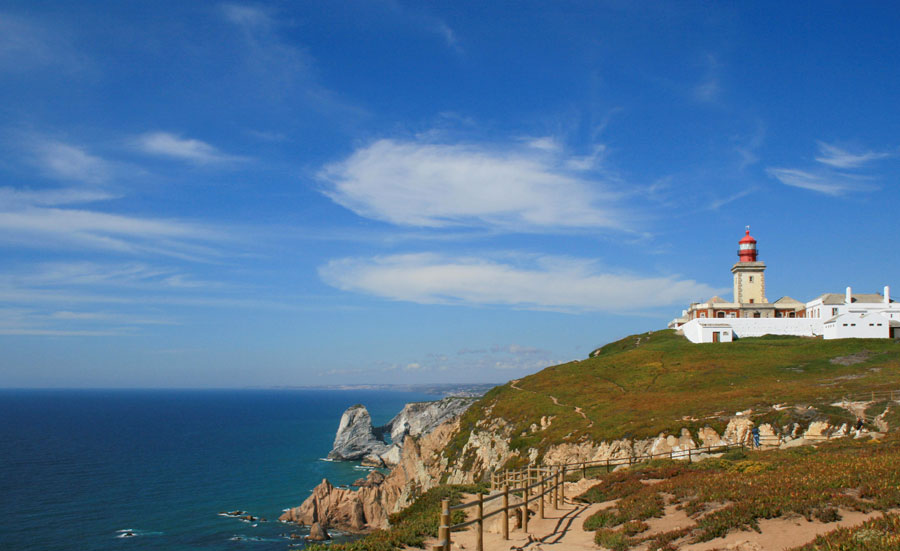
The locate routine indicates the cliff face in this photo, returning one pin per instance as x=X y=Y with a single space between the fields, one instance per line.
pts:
x=423 y=464
x=420 y=418
x=420 y=467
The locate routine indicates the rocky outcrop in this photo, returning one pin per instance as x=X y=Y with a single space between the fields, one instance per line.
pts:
x=418 y=418
x=368 y=507
x=356 y=438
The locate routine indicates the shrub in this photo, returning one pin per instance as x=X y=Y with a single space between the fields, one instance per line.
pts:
x=612 y=539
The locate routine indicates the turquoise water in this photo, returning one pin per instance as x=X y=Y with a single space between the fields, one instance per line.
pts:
x=78 y=468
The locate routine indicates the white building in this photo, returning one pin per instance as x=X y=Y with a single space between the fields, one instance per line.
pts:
x=750 y=314
x=860 y=325
x=860 y=316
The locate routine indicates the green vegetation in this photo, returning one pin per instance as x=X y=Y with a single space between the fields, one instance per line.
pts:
x=733 y=493
x=412 y=526
x=654 y=382
x=880 y=534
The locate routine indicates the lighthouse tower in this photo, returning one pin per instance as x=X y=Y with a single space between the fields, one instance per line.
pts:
x=749 y=273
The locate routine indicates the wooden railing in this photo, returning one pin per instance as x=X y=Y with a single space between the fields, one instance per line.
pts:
x=541 y=484
x=874 y=396
x=534 y=484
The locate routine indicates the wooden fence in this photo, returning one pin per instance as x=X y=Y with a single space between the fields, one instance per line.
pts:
x=539 y=484
x=874 y=396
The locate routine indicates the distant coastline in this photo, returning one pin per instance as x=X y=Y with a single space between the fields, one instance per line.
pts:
x=439 y=389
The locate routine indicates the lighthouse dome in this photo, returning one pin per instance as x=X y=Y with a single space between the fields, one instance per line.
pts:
x=747 y=247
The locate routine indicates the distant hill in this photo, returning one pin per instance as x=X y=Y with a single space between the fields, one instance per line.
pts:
x=656 y=382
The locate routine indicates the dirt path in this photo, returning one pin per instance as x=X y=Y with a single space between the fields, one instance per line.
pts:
x=514 y=384
x=561 y=529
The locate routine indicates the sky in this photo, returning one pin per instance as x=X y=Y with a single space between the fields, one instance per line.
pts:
x=201 y=194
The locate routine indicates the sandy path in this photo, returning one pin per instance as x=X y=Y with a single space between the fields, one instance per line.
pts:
x=560 y=529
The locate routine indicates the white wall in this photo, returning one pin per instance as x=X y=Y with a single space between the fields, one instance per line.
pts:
x=700 y=330
x=855 y=325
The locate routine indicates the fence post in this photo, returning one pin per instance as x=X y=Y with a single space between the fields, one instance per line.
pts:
x=480 y=545
x=562 y=485
x=444 y=530
x=584 y=469
x=607 y=465
x=506 y=512
x=525 y=506
x=556 y=489
x=689 y=455
x=543 y=492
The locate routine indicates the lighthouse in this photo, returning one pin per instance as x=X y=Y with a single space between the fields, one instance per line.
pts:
x=749 y=273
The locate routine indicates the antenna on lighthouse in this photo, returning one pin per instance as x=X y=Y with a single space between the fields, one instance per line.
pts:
x=748 y=228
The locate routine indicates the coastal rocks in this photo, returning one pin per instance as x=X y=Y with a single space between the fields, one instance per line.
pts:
x=329 y=506
x=420 y=468
x=356 y=438
x=317 y=533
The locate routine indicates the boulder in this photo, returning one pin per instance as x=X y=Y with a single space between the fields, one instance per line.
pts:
x=317 y=533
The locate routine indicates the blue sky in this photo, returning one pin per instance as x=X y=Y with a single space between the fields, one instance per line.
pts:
x=286 y=193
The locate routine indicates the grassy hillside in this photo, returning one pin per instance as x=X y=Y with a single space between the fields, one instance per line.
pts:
x=645 y=384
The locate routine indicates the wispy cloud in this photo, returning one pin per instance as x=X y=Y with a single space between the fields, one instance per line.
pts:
x=166 y=144
x=539 y=283
x=839 y=176
x=822 y=182
x=43 y=219
x=27 y=45
x=69 y=162
x=709 y=88
x=718 y=203
x=437 y=185
x=837 y=157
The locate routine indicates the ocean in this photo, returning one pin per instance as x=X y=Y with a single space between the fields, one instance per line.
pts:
x=84 y=469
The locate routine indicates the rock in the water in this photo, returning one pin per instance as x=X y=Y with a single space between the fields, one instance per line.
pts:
x=356 y=438
x=317 y=533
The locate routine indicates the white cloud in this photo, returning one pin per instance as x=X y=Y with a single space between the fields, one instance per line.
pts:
x=35 y=218
x=11 y=198
x=68 y=162
x=166 y=144
x=247 y=16
x=435 y=185
x=834 y=156
x=827 y=183
x=541 y=283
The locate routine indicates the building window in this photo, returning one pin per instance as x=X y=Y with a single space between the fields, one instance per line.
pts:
x=834 y=311
x=702 y=314
x=755 y=314
x=751 y=301
x=792 y=315
x=751 y=279
x=720 y=314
